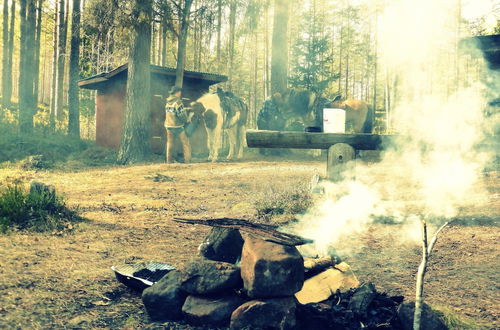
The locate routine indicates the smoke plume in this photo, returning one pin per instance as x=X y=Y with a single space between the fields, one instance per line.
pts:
x=435 y=169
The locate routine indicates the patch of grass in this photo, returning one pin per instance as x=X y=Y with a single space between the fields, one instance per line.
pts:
x=38 y=211
x=455 y=321
x=54 y=148
x=95 y=155
x=291 y=200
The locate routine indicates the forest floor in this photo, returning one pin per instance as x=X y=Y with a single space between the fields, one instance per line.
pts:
x=63 y=280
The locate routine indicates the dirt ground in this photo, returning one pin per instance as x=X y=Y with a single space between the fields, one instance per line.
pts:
x=64 y=280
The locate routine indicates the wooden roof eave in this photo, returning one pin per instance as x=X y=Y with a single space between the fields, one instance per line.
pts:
x=97 y=81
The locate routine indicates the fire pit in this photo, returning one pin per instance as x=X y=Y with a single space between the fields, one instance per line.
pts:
x=254 y=277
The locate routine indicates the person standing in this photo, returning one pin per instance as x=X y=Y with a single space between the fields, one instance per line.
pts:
x=176 y=118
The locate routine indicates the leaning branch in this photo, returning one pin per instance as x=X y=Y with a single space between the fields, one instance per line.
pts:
x=266 y=232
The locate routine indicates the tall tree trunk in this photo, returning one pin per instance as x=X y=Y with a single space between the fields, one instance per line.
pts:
x=153 y=43
x=61 y=59
x=164 y=31
x=182 y=41
x=340 y=58
x=73 y=99
x=37 y=47
x=279 y=52
x=26 y=67
x=348 y=35
x=5 y=53
x=7 y=93
x=194 y=45
x=346 y=95
x=457 y=42
x=200 y=45
x=375 y=63
x=43 y=82
x=158 y=43
x=219 y=28
x=232 y=37
x=135 y=146
x=266 y=79
x=255 y=75
x=53 y=86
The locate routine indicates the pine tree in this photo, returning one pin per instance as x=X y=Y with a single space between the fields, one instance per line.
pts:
x=312 y=58
x=73 y=97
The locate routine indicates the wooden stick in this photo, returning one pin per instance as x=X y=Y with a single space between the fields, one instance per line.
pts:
x=266 y=232
x=420 y=280
x=426 y=252
x=318 y=264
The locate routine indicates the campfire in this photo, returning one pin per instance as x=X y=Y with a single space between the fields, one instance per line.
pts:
x=254 y=277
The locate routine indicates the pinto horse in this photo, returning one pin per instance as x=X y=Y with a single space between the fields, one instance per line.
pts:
x=223 y=111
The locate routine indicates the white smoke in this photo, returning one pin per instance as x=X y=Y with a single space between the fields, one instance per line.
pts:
x=435 y=170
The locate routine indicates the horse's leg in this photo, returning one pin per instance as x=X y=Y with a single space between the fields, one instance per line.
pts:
x=210 y=143
x=242 y=140
x=232 y=136
x=217 y=137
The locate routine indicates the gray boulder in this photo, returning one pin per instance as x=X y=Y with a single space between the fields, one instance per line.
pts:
x=222 y=244
x=278 y=313
x=164 y=299
x=202 y=276
x=214 y=310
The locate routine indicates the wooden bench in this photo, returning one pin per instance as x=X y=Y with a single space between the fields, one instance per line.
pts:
x=341 y=147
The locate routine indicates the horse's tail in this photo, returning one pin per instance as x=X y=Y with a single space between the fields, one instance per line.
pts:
x=368 y=125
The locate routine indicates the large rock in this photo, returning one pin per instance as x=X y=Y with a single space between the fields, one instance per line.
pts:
x=202 y=276
x=362 y=298
x=214 y=310
x=429 y=320
x=277 y=313
x=326 y=283
x=164 y=299
x=271 y=270
x=222 y=244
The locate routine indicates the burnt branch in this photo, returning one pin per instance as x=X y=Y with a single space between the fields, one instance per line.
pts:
x=266 y=232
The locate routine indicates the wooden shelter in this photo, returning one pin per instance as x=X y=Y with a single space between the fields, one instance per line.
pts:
x=111 y=97
x=486 y=46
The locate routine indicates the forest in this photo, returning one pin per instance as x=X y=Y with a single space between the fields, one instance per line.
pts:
x=332 y=47
x=249 y=164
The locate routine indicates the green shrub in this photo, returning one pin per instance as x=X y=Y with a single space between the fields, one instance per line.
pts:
x=36 y=211
x=283 y=201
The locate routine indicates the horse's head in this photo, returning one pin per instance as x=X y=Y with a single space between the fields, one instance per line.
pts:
x=197 y=108
x=338 y=102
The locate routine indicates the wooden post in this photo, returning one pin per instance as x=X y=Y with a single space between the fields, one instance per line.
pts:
x=340 y=158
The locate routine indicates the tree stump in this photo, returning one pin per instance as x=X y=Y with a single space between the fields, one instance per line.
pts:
x=340 y=158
